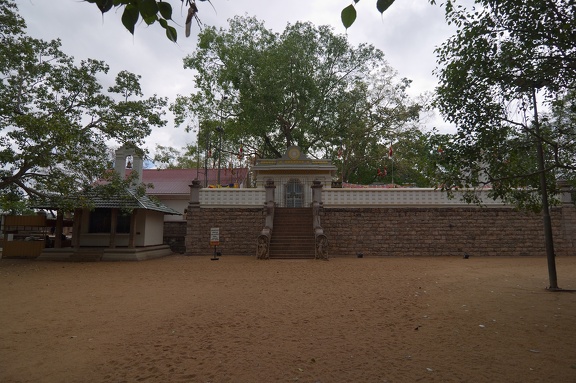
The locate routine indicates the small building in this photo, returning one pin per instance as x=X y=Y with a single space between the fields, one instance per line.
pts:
x=172 y=186
x=124 y=226
x=294 y=174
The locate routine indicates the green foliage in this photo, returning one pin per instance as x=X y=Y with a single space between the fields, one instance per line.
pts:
x=348 y=15
x=151 y=11
x=56 y=122
x=172 y=158
x=504 y=56
x=305 y=86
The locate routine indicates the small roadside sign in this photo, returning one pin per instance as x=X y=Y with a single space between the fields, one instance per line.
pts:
x=215 y=236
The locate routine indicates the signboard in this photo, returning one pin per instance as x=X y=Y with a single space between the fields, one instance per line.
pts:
x=215 y=236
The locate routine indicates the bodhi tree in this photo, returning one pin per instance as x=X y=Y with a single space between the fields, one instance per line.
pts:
x=507 y=81
x=305 y=86
x=56 y=122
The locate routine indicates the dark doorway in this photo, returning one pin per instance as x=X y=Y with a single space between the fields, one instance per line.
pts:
x=294 y=194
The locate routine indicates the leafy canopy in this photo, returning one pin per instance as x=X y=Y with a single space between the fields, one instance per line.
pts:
x=503 y=58
x=305 y=86
x=56 y=121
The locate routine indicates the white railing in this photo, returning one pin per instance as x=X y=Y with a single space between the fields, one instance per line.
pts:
x=253 y=197
x=365 y=197
x=398 y=197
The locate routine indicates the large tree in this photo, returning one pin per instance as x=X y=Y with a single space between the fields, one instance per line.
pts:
x=56 y=122
x=509 y=61
x=305 y=86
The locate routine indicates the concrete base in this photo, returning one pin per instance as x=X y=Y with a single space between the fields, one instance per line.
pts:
x=93 y=254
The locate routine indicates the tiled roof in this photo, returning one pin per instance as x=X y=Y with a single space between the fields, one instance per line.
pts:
x=131 y=200
x=128 y=200
x=178 y=181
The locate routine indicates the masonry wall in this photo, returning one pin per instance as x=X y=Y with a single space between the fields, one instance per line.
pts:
x=175 y=235
x=397 y=231
x=239 y=228
x=441 y=232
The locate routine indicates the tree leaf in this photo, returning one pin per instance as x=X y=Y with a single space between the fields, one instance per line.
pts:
x=130 y=17
x=348 y=16
x=105 y=5
x=383 y=5
x=165 y=10
x=171 y=34
x=149 y=20
x=148 y=8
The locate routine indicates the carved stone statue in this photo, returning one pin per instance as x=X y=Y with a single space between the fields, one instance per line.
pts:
x=263 y=251
x=321 y=247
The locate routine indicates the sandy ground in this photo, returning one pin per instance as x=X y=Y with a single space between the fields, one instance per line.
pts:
x=190 y=319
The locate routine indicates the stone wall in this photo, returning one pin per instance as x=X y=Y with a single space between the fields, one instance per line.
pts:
x=175 y=235
x=239 y=228
x=440 y=232
x=568 y=230
x=397 y=231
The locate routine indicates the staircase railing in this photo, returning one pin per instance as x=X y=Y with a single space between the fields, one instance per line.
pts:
x=321 y=241
x=263 y=242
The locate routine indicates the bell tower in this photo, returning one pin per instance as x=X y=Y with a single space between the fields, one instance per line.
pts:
x=128 y=157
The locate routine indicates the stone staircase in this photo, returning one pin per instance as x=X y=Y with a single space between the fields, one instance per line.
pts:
x=293 y=234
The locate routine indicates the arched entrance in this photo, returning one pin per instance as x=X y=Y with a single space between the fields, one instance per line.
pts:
x=294 y=196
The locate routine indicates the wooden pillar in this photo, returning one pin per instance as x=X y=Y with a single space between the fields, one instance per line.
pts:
x=132 y=235
x=77 y=228
x=113 y=225
x=58 y=229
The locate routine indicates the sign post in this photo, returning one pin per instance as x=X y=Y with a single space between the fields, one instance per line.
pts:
x=215 y=242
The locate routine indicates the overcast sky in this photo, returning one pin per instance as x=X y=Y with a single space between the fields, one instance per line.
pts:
x=407 y=33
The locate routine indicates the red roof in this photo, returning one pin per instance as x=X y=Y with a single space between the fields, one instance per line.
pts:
x=178 y=181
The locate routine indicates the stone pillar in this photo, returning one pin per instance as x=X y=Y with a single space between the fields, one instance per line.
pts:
x=321 y=246
x=317 y=192
x=193 y=222
x=195 y=193
x=269 y=204
x=565 y=192
x=263 y=241
x=568 y=224
x=316 y=203
x=270 y=187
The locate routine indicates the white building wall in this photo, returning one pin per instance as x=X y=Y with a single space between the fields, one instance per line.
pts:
x=336 y=197
x=150 y=231
x=280 y=182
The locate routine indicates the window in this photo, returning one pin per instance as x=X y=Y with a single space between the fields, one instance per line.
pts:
x=101 y=221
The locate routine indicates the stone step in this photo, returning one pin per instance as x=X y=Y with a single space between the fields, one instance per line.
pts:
x=292 y=235
x=86 y=256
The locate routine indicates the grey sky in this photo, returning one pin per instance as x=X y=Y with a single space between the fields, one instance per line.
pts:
x=407 y=33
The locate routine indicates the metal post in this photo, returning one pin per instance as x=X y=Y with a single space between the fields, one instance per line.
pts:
x=219 y=129
x=206 y=159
